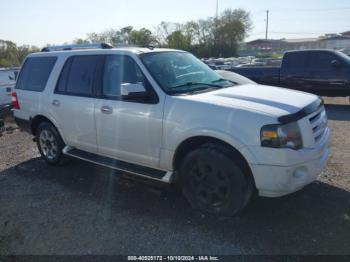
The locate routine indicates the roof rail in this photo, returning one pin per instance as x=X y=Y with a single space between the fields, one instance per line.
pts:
x=76 y=47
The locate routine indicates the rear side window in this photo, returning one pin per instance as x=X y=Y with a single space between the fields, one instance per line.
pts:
x=35 y=73
x=77 y=76
x=298 y=60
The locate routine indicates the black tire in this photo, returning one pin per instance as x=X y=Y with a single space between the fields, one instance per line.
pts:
x=214 y=181
x=50 y=143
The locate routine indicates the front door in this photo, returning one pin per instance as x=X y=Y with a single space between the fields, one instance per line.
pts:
x=126 y=130
x=325 y=77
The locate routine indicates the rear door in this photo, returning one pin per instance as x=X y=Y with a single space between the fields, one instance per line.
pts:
x=295 y=71
x=72 y=104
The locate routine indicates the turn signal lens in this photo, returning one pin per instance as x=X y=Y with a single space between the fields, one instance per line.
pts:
x=269 y=134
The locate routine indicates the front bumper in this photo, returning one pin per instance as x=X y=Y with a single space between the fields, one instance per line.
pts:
x=303 y=168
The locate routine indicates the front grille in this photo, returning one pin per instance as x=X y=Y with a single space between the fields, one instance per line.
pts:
x=319 y=124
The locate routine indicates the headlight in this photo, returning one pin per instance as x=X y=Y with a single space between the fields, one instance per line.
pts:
x=281 y=136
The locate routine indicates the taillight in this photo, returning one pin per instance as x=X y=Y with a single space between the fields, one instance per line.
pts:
x=14 y=101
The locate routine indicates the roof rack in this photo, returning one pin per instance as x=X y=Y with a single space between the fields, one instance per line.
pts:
x=77 y=47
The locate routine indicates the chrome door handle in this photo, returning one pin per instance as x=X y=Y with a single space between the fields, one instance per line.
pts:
x=56 y=103
x=107 y=110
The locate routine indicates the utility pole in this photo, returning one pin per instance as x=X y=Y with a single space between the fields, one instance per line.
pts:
x=217 y=9
x=267 y=24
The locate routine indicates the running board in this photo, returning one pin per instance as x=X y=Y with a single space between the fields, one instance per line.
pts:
x=146 y=172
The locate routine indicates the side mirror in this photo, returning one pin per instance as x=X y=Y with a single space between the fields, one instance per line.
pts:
x=134 y=91
x=336 y=63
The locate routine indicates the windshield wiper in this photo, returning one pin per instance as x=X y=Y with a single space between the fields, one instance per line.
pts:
x=223 y=79
x=196 y=84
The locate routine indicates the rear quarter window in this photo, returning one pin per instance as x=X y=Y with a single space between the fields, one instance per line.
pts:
x=35 y=73
x=297 y=60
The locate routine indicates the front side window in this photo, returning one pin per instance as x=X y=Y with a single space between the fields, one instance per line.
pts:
x=35 y=73
x=118 y=70
x=323 y=60
x=181 y=72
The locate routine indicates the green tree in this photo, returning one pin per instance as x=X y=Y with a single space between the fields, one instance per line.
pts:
x=178 y=40
x=124 y=36
x=229 y=30
x=205 y=38
x=142 y=37
x=12 y=55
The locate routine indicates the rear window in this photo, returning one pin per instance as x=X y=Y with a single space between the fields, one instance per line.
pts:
x=35 y=73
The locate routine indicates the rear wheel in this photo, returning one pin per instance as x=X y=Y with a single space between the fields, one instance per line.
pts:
x=214 y=182
x=50 y=143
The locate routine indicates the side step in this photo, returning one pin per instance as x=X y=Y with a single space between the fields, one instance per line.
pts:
x=119 y=165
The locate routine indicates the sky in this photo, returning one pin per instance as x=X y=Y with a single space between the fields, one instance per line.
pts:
x=41 y=22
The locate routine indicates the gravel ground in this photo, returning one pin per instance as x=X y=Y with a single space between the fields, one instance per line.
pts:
x=81 y=208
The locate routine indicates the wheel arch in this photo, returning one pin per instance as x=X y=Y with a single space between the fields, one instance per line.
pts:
x=195 y=142
x=35 y=122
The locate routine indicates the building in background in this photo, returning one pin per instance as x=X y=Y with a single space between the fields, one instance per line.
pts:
x=339 y=42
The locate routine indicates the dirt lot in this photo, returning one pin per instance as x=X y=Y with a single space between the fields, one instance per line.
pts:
x=84 y=209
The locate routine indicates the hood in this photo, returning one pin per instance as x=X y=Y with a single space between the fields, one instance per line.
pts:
x=273 y=101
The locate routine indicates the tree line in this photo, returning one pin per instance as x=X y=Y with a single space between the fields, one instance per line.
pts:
x=211 y=37
x=12 y=55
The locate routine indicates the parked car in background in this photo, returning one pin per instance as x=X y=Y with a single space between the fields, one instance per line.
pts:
x=162 y=114
x=7 y=82
x=251 y=65
x=273 y=62
x=322 y=72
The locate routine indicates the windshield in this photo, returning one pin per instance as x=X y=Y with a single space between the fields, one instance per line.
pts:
x=181 y=72
x=345 y=57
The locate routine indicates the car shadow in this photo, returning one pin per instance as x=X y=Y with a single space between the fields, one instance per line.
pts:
x=338 y=112
x=312 y=221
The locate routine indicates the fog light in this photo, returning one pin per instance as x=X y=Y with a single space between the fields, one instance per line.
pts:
x=300 y=173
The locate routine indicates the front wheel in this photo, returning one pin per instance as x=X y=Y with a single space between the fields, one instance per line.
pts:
x=214 y=182
x=50 y=143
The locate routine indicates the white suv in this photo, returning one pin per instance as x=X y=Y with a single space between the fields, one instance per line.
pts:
x=164 y=115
